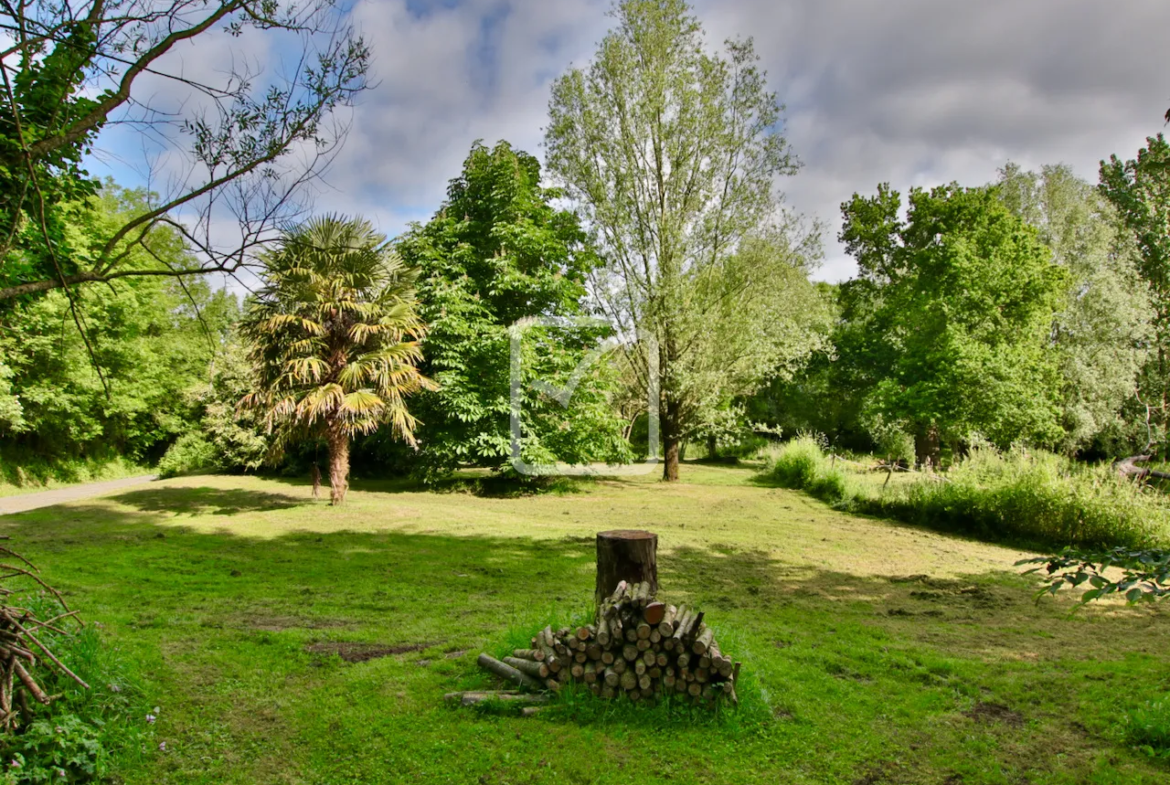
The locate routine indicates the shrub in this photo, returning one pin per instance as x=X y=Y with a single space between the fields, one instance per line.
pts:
x=192 y=453
x=1032 y=497
x=802 y=464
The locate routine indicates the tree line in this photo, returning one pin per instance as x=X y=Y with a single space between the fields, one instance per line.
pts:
x=1029 y=309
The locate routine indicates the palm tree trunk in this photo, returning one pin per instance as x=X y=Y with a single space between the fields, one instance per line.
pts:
x=338 y=463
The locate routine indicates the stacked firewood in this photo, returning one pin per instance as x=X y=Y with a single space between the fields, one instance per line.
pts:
x=638 y=647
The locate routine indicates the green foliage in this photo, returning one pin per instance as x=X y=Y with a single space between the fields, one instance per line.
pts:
x=191 y=453
x=498 y=252
x=334 y=340
x=802 y=464
x=152 y=339
x=683 y=230
x=1102 y=330
x=1140 y=191
x=74 y=738
x=61 y=91
x=1027 y=497
x=1145 y=573
x=1148 y=728
x=951 y=315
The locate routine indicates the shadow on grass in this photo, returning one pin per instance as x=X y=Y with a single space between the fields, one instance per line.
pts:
x=817 y=645
x=206 y=501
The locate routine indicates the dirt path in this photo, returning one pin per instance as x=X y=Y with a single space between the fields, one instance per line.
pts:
x=31 y=501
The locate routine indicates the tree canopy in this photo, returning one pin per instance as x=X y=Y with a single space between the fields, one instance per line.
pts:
x=957 y=302
x=70 y=70
x=498 y=252
x=671 y=153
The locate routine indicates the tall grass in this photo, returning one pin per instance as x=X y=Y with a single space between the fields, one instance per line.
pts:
x=1025 y=496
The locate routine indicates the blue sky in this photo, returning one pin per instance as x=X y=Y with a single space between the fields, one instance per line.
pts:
x=913 y=92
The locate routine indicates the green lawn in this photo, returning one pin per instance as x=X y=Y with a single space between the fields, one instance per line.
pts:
x=885 y=654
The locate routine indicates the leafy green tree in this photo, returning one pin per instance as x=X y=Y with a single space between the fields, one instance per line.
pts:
x=958 y=301
x=1140 y=190
x=1102 y=331
x=334 y=340
x=69 y=70
x=672 y=152
x=499 y=252
x=152 y=339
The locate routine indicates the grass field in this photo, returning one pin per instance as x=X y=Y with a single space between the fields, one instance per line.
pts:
x=880 y=653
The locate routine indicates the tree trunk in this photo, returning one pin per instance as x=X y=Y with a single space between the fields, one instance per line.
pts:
x=625 y=555
x=926 y=446
x=338 y=463
x=712 y=447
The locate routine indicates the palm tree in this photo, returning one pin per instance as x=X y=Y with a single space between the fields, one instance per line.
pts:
x=334 y=339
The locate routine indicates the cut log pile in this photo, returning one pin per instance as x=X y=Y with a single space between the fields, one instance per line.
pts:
x=638 y=647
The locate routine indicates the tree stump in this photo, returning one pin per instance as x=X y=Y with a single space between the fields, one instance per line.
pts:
x=625 y=555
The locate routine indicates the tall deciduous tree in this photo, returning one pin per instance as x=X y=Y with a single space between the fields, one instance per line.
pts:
x=496 y=253
x=247 y=141
x=152 y=339
x=672 y=152
x=335 y=339
x=1140 y=190
x=959 y=299
x=1102 y=331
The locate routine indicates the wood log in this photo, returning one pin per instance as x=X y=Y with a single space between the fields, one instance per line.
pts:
x=537 y=670
x=631 y=634
x=553 y=685
x=695 y=689
x=630 y=652
x=504 y=671
x=620 y=665
x=607 y=692
x=603 y=631
x=580 y=658
x=577 y=671
x=666 y=623
x=655 y=636
x=642 y=595
x=593 y=651
x=607 y=657
x=586 y=632
x=505 y=696
x=590 y=675
x=643 y=644
x=703 y=641
x=661 y=660
x=536 y=655
x=625 y=555
x=655 y=672
x=612 y=677
x=654 y=613
x=628 y=681
x=643 y=631
x=683 y=628
x=668 y=681
x=644 y=682
x=639 y=667
x=702 y=675
x=650 y=657
x=683 y=659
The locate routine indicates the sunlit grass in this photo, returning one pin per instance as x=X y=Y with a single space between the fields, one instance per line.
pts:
x=877 y=652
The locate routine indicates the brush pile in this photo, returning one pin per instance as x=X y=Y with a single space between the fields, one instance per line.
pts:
x=638 y=647
x=22 y=652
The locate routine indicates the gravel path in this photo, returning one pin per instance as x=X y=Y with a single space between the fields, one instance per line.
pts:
x=31 y=501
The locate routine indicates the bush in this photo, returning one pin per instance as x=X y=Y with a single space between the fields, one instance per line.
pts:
x=802 y=464
x=1029 y=497
x=192 y=453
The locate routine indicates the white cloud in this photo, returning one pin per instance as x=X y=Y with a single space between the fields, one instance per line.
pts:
x=914 y=92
